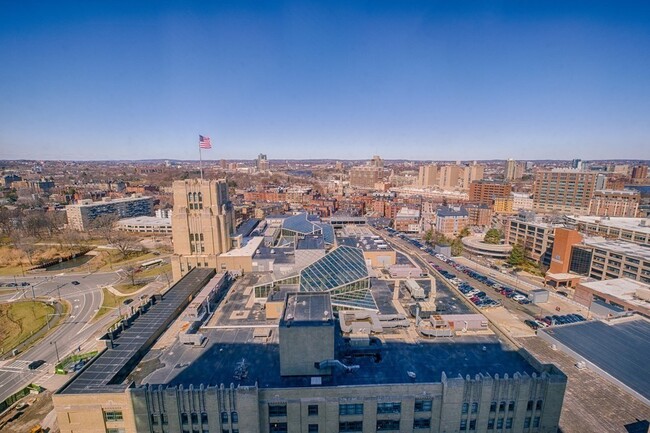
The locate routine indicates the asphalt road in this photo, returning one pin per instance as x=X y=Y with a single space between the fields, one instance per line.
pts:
x=84 y=299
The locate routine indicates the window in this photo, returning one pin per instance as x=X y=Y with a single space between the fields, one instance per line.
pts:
x=508 y=422
x=113 y=415
x=224 y=416
x=474 y=407
x=387 y=424
x=278 y=427
x=493 y=406
x=527 y=422
x=115 y=430
x=164 y=419
x=530 y=404
x=502 y=406
x=538 y=406
x=472 y=424
x=536 y=422
x=195 y=418
x=490 y=424
x=312 y=410
x=204 y=418
x=225 y=430
x=421 y=423
x=351 y=409
x=511 y=405
x=389 y=407
x=463 y=424
x=350 y=426
x=234 y=417
x=276 y=410
x=312 y=428
x=422 y=405
x=465 y=408
x=154 y=420
x=499 y=423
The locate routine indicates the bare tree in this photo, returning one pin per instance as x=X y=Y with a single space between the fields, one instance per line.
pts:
x=124 y=243
x=25 y=244
x=130 y=272
x=103 y=225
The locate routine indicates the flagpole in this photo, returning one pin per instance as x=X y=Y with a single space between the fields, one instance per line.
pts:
x=200 y=162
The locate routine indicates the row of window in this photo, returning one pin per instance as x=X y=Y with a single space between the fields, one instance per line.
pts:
x=501 y=406
x=279 y=410
x=498 y=423
x=355 y=426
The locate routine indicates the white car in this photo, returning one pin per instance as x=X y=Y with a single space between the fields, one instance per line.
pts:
x=519 y=297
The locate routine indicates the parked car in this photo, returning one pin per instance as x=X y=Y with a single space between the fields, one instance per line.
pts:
x=35 y=364
x=532 y=324
x=75 y=283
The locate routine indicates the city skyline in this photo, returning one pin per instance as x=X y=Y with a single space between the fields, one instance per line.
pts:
x=416 y=81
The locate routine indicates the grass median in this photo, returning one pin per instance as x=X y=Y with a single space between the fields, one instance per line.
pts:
x=20 y=320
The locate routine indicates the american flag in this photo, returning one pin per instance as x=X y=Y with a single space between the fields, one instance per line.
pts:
x=204 y=142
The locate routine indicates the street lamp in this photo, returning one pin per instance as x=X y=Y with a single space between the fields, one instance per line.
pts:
x=56 y=349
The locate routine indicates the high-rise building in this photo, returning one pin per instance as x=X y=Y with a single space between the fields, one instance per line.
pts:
x=365 y=176
x=485 y=191
x=428 y=175
x=513 y=170
x=377 y=161
x=202 y=224
x=640 y=172
x=262 y=163
x=577 y=164
x=81 y=215
x=615 y=203
x=563 y=190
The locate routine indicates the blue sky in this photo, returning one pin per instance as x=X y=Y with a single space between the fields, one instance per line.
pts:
x=402 y=79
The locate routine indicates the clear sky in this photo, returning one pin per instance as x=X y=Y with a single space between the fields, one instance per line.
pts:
x=403 y=79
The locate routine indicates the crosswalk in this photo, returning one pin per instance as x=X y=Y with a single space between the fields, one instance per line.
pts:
x=15 y=366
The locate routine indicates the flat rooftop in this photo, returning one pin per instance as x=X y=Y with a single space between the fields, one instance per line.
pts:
x=306 y=309
x=632 y=224
x=146 y=220
x=621 y=348
x=110 y=368
x=248 y=249
x=619 y=246
x=216 y=362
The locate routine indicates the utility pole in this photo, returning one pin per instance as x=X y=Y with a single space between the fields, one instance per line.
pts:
x=56 y=349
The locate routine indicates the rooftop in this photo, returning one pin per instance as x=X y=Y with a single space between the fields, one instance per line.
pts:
x=216 y=363
x=632 y=224
x=619 y=246
x=304 y=309
x=621 y=288
x=621 y=349
x=146 y=220
x=313 y=242
x=111 y=367
x=248 y=249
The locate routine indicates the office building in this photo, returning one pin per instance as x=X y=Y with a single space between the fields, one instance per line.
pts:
x=307 y=372
x=623 y=294
x=534 y=234
x=485 y=191
x=521 y=201
x=202 y=224
x=82 y=215
x=145 y=224
x=617 y=259
x=615 y=203
x=635 y=230
x=563 y=190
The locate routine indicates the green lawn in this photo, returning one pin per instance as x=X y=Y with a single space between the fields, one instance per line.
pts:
x=109 y=303
x=12 y=270
x=19 y=320
x=128 y=288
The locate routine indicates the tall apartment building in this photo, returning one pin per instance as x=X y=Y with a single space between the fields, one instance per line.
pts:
x=81 y=215
x=640 y=172
x=513 y=170
x=303 y=378
x=563 y=190
x=428 y=176
x=485 y=191
x=365 y=176
x=615 y=203
x=202 y=224
x=262 y=163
